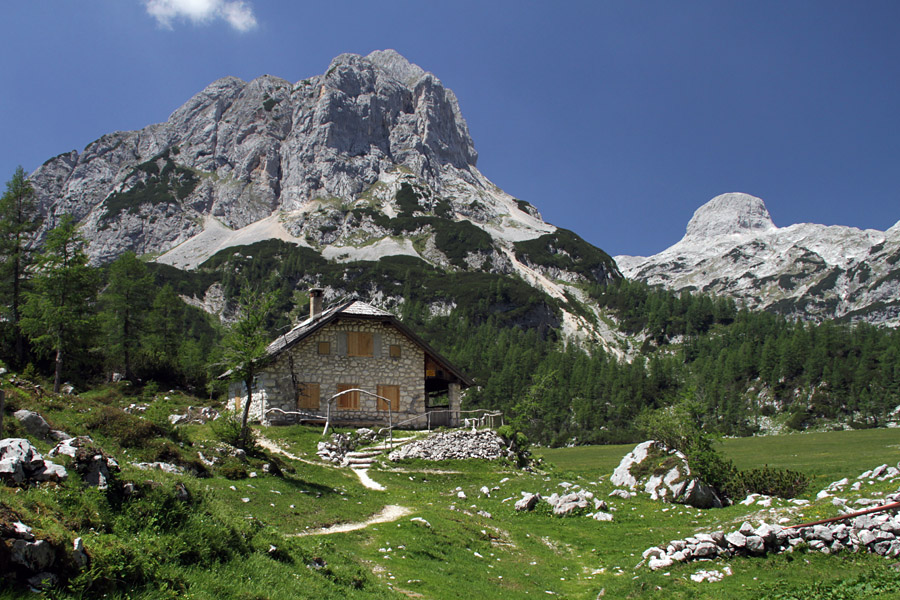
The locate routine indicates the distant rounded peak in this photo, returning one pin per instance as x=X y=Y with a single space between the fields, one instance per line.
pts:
x=894 y=232
x=390 y=61
x=729 y=214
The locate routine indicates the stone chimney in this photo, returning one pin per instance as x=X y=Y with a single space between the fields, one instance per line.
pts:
x=316 y=296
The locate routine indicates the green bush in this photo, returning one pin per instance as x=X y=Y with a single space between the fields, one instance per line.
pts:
x=126 y=430
x=227 y=428
x=797 y=420
x=783 y=483
x=234 y=470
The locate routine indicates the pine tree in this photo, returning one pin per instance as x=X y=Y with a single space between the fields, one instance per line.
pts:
x=165 y=328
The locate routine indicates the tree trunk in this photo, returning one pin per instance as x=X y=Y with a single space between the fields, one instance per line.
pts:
x=245 y=430
x=17 y=290
x=57 y=377
x=126 y=345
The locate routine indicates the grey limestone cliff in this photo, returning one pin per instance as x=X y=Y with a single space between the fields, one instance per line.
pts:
x=239 y=151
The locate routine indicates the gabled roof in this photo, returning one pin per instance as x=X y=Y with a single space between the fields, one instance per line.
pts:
x=358 y=310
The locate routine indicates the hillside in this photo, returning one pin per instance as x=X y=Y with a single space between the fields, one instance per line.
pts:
x=286 y=524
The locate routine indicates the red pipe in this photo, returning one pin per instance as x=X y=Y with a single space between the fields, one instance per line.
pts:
x=890 y=506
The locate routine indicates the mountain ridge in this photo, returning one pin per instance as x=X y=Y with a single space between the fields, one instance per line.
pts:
x=805 y=270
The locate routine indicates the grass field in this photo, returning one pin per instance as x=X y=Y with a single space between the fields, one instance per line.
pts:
x=824 y=457
x=237 y=537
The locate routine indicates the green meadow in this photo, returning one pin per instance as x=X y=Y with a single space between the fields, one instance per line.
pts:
x=250 y=534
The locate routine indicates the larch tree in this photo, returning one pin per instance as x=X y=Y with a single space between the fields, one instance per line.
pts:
x=58 y=312
x=126 y=302
x=245 y=345
x=19 y=220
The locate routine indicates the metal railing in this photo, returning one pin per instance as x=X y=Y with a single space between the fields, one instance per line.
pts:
x=330 y=402
x=486 y=418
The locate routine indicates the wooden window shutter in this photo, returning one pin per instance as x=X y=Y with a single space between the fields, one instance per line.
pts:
x=347 y=401
x=342 y=343
x=359 y=343
x=391 y=392
x=308 y=396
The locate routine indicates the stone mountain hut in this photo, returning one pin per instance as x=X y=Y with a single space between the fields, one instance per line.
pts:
x=397 y=377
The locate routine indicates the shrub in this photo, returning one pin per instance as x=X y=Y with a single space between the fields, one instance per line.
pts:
x=234 y=470
x=227 y=428
x=797 y=420
x=771 y=482
x=126 y=430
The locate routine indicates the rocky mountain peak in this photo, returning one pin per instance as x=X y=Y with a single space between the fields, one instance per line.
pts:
x=389 y=62
x=730 y=214
x=396 y=65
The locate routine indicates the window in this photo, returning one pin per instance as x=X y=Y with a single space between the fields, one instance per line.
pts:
x=359 y=343
x=392 y=392
x=308 y=396
x=348 y=401
x=324 y=347
x=395 y=351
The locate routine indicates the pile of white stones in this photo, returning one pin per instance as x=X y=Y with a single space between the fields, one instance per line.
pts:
x=195 y=415
x=567 y=504
x=334 y=449
x=459 y=444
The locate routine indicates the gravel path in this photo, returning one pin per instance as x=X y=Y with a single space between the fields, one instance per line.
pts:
x=367 y=481
x=389 y=513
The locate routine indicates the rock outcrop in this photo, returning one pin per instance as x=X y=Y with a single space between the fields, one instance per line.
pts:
x=37 y=426
x=95 y=466
x=22 y=464
x=663 y=474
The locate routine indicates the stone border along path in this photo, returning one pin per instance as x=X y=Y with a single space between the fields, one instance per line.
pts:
x=388 y=514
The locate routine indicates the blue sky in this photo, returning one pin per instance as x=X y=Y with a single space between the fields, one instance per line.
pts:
x=616 y=119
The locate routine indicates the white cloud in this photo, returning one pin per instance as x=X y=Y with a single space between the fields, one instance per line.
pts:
x=237 y=13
